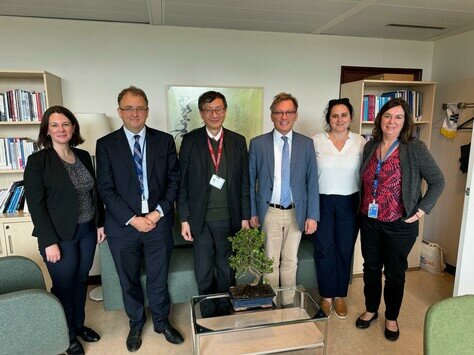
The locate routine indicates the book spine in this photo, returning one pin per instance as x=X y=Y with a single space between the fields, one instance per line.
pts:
x=13 y=200
x=3 y=116
x=21 y=143
x=11 y=152
x=371 y=114
x=19 y=161
x=365 y=110
x=5 y=203
x=3 y=156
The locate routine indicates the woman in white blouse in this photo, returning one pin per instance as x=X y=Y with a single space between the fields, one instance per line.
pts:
x=339 y=155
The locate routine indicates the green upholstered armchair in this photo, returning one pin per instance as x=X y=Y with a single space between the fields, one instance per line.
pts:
x=32 y=320
x=449 y=327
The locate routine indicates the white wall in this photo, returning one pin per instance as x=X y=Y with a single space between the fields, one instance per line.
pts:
x=96 y=60
x=453 y=69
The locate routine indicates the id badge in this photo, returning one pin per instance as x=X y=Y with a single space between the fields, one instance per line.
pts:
x=373 y=210
x=217 y=181
x=145 y=206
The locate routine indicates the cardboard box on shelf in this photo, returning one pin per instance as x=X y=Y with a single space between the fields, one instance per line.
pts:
x=392 y=76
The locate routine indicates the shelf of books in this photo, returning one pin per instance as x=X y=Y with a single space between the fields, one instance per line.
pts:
x=24 y=96
x=367 y=97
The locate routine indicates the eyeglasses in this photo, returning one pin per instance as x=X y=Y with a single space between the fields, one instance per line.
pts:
x=210 y=111
x=130 y=109
x=280 y=114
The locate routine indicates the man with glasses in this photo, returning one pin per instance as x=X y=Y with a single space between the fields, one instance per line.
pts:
x=283 y=189
x=213 y=201
x=138 y=180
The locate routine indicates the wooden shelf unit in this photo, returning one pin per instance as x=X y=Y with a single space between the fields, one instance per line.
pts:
x=16 y=228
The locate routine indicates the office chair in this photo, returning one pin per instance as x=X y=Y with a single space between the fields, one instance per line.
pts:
x=32 y=320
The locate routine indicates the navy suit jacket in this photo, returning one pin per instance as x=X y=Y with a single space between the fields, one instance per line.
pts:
x=118 y=183
x=303 y=176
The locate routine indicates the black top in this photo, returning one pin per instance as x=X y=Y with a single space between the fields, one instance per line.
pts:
x=52 y=199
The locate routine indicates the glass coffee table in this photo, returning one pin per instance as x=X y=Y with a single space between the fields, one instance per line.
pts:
x=294 y=322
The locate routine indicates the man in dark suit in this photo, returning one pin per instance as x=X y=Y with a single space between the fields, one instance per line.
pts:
x=283 y=190
x=138 y=180
x=214 y=201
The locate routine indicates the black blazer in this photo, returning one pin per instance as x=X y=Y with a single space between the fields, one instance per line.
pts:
x=51 y=197
x=118 y=183
x=195 y=175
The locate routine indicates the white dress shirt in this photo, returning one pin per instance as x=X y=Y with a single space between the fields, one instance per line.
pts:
x=338 y=171
x=216 y=137
x=142 y=141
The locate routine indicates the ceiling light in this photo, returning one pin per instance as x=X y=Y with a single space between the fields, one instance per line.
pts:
x=416 y=26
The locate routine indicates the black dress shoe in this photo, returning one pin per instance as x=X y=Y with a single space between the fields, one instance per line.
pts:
x=87 y=334
x=392 y=335
x=134 y=339
x=75 y=347
x=171 y=334
x=364 y=324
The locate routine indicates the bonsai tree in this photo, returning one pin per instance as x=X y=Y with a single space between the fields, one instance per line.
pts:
x=249 y=254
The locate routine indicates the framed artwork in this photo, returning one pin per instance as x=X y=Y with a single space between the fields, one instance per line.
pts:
x=244 y=110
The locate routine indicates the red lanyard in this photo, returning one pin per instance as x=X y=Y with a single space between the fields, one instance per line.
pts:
x=216 y=161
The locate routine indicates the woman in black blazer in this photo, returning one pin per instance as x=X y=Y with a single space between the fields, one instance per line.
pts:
x=67 y=215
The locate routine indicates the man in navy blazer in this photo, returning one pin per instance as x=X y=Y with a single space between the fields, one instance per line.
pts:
x=138 y=180
x=284 y=194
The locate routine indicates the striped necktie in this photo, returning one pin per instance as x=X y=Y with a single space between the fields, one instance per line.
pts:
x=138 y=159
x=285 y=196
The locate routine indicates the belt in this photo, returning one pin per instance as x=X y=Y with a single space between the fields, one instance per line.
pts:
x=280 y=207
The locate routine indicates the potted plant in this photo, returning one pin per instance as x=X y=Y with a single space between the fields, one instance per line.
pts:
x=249 y=258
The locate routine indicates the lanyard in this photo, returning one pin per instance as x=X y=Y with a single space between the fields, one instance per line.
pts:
x=380 y=161
x=216 y=161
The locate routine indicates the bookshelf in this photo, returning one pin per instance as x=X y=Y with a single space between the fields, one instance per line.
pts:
x=355 y=91
x=29 y=80
x=15 y=229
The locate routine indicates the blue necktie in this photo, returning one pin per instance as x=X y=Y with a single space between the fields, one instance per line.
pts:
x=138 y=159
x=285 y=196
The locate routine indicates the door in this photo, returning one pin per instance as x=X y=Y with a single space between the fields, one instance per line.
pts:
x=464 y=280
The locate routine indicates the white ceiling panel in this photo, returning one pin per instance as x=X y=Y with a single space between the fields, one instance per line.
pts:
x=278 y=5
x=103 y=10
x=238 y=24
x=451 y=5
x=367 y=18
x=372 y=21
x=253 y=15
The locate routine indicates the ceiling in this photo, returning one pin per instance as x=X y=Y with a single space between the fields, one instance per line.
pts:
x=366 y=18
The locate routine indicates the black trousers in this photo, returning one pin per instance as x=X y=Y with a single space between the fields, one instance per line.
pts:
x=69 y=275
x=212 y=250
x=334 y=243
x=385 y=245
x=133 y=250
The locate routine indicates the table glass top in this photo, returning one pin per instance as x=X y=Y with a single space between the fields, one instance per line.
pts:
x=214 y=313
